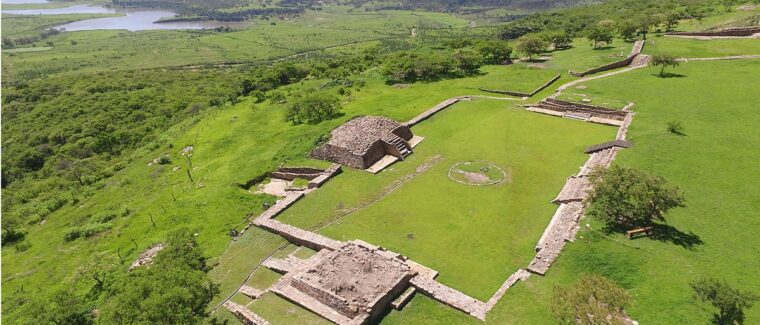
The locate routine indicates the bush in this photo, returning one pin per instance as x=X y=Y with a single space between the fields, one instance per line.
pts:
x=104 y=216
x=676 y=127
x=164 y=160
x=86 y=231
x=313 y=107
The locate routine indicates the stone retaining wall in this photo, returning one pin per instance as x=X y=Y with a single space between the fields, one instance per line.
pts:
x=243 y=314
x=437 y=108
x=521 y=94
x=734 y=32
x=637 y=47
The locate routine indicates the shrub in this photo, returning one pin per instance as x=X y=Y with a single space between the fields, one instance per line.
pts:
x=104 y=216
x=676 y=127
x=591 y=300
x=313 y=107
x=86 y=231
x=164 y=160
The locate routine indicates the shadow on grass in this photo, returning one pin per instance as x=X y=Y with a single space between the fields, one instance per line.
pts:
x=668 y=233
x=664 y=233
x=606 y=47
x=669 y=75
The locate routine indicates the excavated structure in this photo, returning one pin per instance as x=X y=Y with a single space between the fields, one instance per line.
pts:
x=362 y=141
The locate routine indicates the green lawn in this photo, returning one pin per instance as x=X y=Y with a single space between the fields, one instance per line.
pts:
x=465 y=232
x=694 y=48
x=583 y=56
x=715 y=164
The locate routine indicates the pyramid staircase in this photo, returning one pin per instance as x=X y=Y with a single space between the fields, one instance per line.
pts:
x=401 y=145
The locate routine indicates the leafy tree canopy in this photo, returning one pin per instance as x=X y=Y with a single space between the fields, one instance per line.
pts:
x=594 y=299
x=730 y=301
x=627 y=197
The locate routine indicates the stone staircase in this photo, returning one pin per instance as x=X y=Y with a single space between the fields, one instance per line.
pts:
x=401 y=145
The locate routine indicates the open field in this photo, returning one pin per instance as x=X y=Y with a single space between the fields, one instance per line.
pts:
x=465 y=232
x=712 y=236
x=693 y=48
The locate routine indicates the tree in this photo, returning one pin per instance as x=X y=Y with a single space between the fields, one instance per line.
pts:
x=627 y=30
x=313 y=108
x=647 y=22
x=10 y=227
x=467 y=61
x=173 y=290
x=600 y=34
x=730 y=302
x=494 y=52
x=629 y=197
x=594 y=299
x=672 y=19
x=663 y=61
x=531 y=45
x=559 y=40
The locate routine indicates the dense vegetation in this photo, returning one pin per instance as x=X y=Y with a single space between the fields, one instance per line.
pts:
x=79 y=132
x=64 y=136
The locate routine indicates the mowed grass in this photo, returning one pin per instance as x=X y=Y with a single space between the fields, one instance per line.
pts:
x=715 y=164
x=694 y=48
x=583 y=56
x=474 y=235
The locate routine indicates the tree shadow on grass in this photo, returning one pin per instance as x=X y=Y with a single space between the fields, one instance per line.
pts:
x=606 y=47
x=668 y=233
x=669 y=75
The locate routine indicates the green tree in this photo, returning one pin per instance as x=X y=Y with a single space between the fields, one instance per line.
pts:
x=594 y=299
x=313 y=107
x=730 y=302
x=531 y=45
x=173 y=290
x=629 y=197
x=601 y=34
x=672 y=19
x=663 y=61
x=494 y=52
x=11 y=229
x=559 y=40
x=467 y=61
x=627 y=30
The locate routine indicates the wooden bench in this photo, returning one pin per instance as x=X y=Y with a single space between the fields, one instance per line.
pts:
x=645 y=230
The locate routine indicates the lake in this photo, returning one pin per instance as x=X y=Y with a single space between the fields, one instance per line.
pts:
x=132 y=19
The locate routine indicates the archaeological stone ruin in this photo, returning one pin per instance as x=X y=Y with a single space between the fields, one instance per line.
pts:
x=362 y=141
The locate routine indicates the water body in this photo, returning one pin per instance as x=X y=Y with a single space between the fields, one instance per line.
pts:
x=76 y=9
x=132 y=19
x=22 y=2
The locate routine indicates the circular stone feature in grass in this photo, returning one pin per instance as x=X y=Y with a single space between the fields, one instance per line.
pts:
x=479 y=173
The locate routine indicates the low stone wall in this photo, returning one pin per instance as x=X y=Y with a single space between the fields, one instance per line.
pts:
x=450 y=297
x=299 y=236
x=291 y=173
x=521 y=94
x=437 y=108
x=326 y=175
x=637 y=47
x=243 y=314
x=596 y=111
x=733 y=32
